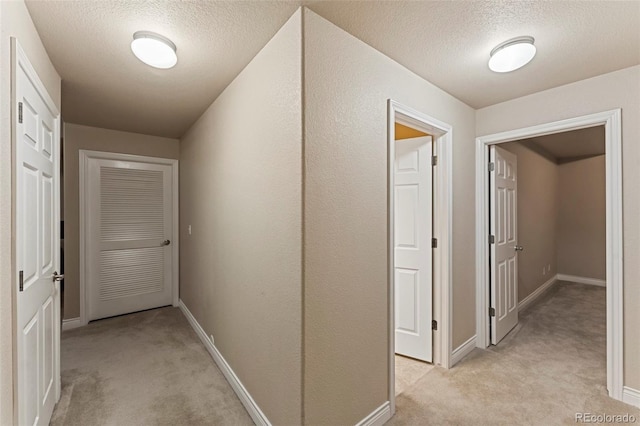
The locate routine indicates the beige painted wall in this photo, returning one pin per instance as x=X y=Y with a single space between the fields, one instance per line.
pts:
x=620 y=89
x=241 y=191
x=537 y=218
x=582 y=233
x=77 y=137
x=14 y=22
x=347 y=84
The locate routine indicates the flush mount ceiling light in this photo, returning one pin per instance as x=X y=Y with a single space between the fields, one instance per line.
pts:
x=154 y=49
x=512 y=54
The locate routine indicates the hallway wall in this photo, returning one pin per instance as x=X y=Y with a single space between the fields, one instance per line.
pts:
x=346 y=340
x=77 y=137
x=618 y=89
x=241 y=191
x=14 y=22
x=582 y=233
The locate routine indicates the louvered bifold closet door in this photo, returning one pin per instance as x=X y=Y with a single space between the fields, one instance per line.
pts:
x=131 y=267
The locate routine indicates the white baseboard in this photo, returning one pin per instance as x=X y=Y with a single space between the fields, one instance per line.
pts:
x=378 y=417
x=71 y=323
x=537 y=293
x=631 y=396
x=463 y=350
x=252 y=408
x=581 y=280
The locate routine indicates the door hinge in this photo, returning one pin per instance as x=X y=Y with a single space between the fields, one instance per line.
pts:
x=492 y=166
x=21 y=280
x=434 y=324
x=492 y=239
x=434 y=160
x=20 y=112
x=492 y=312
x=434 y=243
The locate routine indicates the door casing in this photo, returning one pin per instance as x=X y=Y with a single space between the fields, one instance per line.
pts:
x=611 y=120
x=442 y=230
x=85 y=156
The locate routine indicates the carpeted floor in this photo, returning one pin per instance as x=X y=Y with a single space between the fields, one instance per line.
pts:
x=150 y=368
x=550 y=367
x=409 y=371
x=147 y=368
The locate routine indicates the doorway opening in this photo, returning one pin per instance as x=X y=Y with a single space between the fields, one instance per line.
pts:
x=419 y=176
x=497 y=241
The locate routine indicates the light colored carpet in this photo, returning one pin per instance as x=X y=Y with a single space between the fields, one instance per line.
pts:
x=552 y=366
x=147 y=368
x=409 y=371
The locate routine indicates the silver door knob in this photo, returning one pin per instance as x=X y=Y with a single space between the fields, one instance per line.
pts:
x=166 y=243
x=519 y=248
x=57 y=277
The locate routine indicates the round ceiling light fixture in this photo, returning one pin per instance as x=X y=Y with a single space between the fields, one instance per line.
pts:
x=512 y=54
x=154 y=49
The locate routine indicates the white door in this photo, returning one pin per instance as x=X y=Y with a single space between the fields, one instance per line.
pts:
x=129 y=225
x=413 y=217
x=504 y=249
x=37 y=215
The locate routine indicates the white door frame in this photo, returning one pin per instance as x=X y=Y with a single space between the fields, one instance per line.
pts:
x=613 y=158
x=19 y=59
x=442 y=230
x=85 y=156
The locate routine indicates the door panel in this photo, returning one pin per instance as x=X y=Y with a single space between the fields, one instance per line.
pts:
x=129 y=218
x=413 y=253
x=48 y=242
x=48 y=367
x=30 y=397
x=504 y=260
x=37 y=247
x=407 y=284
x=29 y=234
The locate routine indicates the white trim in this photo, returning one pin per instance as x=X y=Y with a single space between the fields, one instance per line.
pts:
x=84 y=156
x=71 y=323
x=613 y=150
x=251 y=406
x=442 y=230
x=527 y=301
x=463 y=350
x=631 y=396
x=582 y=280
x=378 y=417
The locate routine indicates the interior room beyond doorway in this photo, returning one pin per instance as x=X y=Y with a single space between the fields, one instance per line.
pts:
x=554 y=217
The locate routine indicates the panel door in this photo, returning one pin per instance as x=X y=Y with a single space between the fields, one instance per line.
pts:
x=129 y=225
x=413 y=219
x=37 y=251
x=504 y=256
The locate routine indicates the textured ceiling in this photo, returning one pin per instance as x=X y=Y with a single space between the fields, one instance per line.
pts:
x=105 y=85
x=447 y=43
x=571 y=145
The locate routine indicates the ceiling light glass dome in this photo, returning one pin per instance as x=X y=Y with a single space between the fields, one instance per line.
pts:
x=154 y=49
x=512 y=54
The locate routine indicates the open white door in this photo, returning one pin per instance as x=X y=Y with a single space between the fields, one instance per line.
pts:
x=504 y=249
x=129 y=217
x=413 y=216
x=37 y=220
